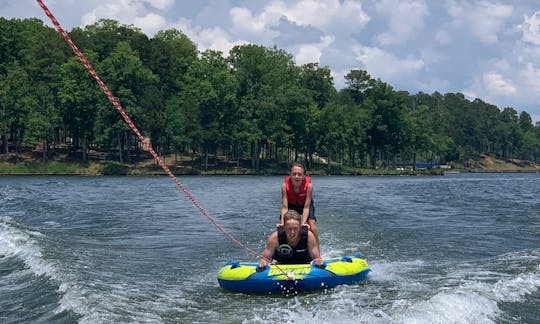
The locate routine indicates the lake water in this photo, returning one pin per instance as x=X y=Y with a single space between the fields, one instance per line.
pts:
x=461 y=248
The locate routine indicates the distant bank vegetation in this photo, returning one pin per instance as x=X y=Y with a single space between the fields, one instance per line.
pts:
x=254 y=107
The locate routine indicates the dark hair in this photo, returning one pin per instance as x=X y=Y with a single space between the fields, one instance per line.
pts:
x=298 y=164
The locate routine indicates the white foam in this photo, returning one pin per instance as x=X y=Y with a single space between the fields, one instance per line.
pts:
x=394 y=271
x=457 y=307
x=398 y=293
x=336 y=308
x=18 y=242
x=331 y=248
x=470 y=295
x=511 y=289
x=6 y=195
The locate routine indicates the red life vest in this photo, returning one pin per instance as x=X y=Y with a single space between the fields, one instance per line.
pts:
x=297 y=199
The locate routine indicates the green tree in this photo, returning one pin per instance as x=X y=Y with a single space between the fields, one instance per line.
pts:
x=510 y=133
x=79 y=96
x=355 y=124
x=297 y=131
x=103 y=37
x=212 y=88
x=531 y=145
x=358 y=83
x=169 y=55
x=420 y=132
x=45 y=56
x=16 y=100
x=16 y=39
x=332 y=139
x=488 y=119
x=175 y=127
x=319 y=81
x=153 y=116
x=128 y=80
x=43 y=120
x=386 y=135
x=320 y=84
x=525 y=121
x=263 y=77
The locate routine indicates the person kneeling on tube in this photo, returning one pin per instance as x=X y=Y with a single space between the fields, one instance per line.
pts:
x=291 y=244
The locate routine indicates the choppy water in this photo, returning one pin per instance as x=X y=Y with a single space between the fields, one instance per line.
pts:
x=455 y=249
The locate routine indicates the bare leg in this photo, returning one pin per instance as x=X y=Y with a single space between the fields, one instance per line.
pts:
x=313 y=229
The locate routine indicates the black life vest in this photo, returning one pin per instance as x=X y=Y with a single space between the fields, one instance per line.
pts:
x=289 y=255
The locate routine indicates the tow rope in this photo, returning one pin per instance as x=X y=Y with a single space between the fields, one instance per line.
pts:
x=128 y=120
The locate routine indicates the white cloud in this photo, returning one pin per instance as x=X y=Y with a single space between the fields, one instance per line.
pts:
x=508 y=84
x=242 y=19
x=485 y=20
x=431 y=56
x=309 y=53
x=530 y=76
x=531 y=29
x=405 y=19
x=104 y=11
x=244 y=23
x=339 y=77
x=123 y=11
x=433 y=84
x=208 y=38
x=332 y=20
x=150 y=23
x=217 y=39
x=328 y=16
x=443 y=37
x=131 y=12
x=384 y=65
x=160 y=4
x=496 y=84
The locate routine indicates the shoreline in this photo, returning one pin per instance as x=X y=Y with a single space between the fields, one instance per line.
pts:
x=62 y=165
x=137 y=172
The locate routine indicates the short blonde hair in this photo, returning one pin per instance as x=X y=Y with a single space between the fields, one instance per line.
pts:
x=292 y=214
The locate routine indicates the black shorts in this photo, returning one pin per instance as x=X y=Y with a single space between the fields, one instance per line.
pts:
x=300 y=210
x=312 y=211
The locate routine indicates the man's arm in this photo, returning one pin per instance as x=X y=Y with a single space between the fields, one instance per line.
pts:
x=269 y=250
x=314 y=249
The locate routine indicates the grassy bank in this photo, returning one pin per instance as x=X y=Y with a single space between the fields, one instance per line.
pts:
x=49 y=168
x=30 y=163
x=112 y=168
x=61 y=165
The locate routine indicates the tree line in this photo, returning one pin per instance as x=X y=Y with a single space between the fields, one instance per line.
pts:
x=254 y=103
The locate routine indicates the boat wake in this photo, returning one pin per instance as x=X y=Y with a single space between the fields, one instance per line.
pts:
x=21 y=259
x=417 y=291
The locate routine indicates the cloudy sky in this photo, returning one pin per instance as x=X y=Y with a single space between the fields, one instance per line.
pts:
x=487 y=49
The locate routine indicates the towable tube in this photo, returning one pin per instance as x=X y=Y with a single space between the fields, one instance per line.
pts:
x=249 y=278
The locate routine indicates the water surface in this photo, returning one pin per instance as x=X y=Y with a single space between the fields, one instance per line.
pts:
x=461 y=248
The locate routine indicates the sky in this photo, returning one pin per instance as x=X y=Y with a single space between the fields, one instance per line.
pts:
x=486 y=49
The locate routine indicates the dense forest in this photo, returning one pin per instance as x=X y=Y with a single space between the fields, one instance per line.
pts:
x=252 y=104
